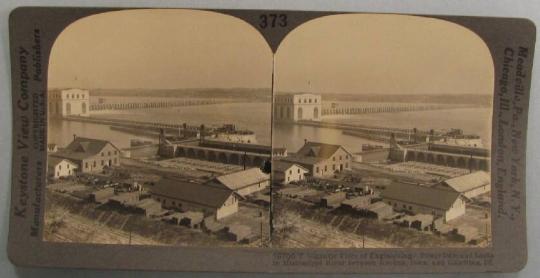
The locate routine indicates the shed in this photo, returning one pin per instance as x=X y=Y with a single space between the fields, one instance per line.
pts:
x=211 y=225
x=148 y=207
x=101 y=196
x=379 y=210
x=470 y=185
x=125 y=199
x=465 y=233
x=333 y=200
x=357 y=203
x=239 y=233
x=244 y=182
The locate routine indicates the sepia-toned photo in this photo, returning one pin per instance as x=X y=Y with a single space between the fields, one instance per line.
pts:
x=386 y=120
x=159 y=125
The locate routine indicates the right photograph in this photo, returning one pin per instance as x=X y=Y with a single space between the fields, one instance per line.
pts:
x=385 y=126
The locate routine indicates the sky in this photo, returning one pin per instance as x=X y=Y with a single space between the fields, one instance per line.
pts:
x=383 y=54
x=160 y=49
x=352 y=54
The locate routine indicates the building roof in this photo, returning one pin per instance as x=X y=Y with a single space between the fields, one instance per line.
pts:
x=380 y=208
x=319 y=150
x=81 y=148
x=313 y=153
x=468 y=182
x=302 y=160
x=421 y=195
x=282 y=166
x=358 y=202
x=53 y=161
x=240 y=231
x=200 y=194
x=241 y=179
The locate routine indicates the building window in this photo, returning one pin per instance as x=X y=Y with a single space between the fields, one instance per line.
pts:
x=410 y=207
x=109 y=153
x=334 y=158
x=102 y=154
x=298 y=171
x=67 y=166
x=86 y=165
x=333 y=166
x=59 y=167
x=102 y=163
x=290 y=172
x=95 y=164
x=317 y=169
x=340 y=157
x=115 y=152
x=325 y=168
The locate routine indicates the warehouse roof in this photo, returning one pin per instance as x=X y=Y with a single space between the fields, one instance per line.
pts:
x=470 y=181
x=319 y=150
x=200 y=194
x=241 y=179
x=81 y=148
x=421 y=195
x=358 y=202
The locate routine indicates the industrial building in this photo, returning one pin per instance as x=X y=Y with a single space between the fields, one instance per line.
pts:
x=60 y=167
x=69 y=102
x=322 y=160
x=243 y=182
x=418 y=199
x=470 y=185
x=297 y=107
x=209 y=199
x=286 y=172
x=90 y=155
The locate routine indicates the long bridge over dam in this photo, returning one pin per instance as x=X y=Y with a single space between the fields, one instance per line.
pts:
x=388 y=109
x=155 y=104
x=375 y=133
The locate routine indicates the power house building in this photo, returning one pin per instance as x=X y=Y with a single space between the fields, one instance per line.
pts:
x=297 y=107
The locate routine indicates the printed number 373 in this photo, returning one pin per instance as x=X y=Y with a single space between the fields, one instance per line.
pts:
x=272 y=20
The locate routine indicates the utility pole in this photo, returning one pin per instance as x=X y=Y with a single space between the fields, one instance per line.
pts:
x=244 y=160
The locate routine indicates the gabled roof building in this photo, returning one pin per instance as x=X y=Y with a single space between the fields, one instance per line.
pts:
x=416 y=199
x=322 y=160
x=470 y=185
x=185 y=196
x=243 y=182
x=91 y=155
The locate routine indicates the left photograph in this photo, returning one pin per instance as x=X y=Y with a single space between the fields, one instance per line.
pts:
x=158 y=131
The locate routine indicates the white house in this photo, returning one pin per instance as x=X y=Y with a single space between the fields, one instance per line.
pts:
x=60 y=167
x=286 y=172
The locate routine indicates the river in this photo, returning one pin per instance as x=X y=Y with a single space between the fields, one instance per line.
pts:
x=256 y=117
